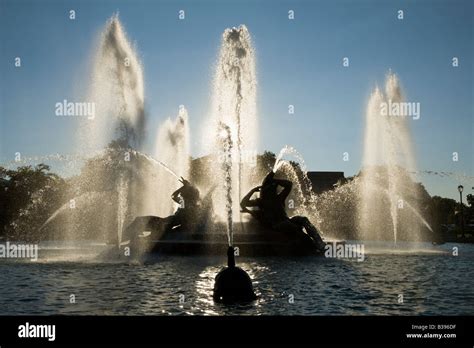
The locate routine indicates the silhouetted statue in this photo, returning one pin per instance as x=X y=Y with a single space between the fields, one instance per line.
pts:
x=187 y=196
x=269 y=209
x=254 y=205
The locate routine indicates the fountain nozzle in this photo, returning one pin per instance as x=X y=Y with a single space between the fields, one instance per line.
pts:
x=233 y=284
x=230 y=257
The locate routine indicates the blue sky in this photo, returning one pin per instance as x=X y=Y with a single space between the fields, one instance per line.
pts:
x=299 y=62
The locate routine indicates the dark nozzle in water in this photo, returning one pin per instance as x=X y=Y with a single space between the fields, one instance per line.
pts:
x=230 y=257
x=233 y=284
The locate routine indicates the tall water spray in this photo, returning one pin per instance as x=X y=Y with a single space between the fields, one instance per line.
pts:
x=234 y=105
x=117 y=90
x=388 y=157
x=171 y=148
x=227 y=146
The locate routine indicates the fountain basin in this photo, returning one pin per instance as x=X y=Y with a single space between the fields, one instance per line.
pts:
x=250 y=239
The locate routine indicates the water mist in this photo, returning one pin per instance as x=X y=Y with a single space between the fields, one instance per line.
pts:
x=117 y=89
x=388 y=157
x=172 y=150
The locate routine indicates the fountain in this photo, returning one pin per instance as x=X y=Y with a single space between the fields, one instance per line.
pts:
x=235 y=124
x=388 y=155
x=117 y=89
x=232 y=284
x=139 y=186
x=234 y=105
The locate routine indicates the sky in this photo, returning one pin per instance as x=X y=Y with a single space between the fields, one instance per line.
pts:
x=299 y=62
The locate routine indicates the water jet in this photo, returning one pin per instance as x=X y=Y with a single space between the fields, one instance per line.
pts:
x=387 y=161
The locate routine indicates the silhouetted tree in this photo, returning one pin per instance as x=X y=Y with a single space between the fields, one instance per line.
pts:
x=28 y=196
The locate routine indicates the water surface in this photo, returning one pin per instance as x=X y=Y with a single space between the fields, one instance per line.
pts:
x=431 y=280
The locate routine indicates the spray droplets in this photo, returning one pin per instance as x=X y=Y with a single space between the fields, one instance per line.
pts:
x=117 y=89
x=387 y=148
x=234 y=106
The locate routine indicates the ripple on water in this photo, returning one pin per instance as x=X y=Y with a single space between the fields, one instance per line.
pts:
x=431 y=283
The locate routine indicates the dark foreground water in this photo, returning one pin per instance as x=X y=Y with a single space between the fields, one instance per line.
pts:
x=430 y=279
